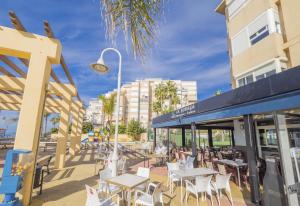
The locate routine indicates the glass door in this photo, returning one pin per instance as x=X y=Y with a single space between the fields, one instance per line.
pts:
x=288 y=135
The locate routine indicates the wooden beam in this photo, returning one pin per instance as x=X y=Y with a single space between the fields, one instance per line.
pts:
x=16 y=107
x=17 y=84
x=23 y=44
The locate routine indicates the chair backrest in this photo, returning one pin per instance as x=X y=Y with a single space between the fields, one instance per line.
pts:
x=182 y=156
x=190 y=162
x=220 y=156
x=203 y=183
x=143 y=172
x=105 y=174
x=222 y=181
x=121 y=164
x=92 y=196
x=209 y=165
x=222 y=169
x=172 y=166
x=155 y=192
x=177 y=156
x=239 y=160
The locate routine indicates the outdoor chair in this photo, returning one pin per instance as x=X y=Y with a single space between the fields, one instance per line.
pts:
x=143 y=172
x=203 y=185
x=200 y=159
x=152 y=197
x=222 y=183
x=219 y=155
x=104 y=187
x=209 y=165
x=94 y=200
x=172 y=178
x=189 y=162
x=222 y=169
x=122 y=165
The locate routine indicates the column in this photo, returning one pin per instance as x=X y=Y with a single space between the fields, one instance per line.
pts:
x=194 y=144
x=79 y=130
x=183 y=136
x=285 y=155
x=30 y=118
x=252 y=158
x=63 y=133
x=232 y=138
x=154 y=139
x=210 y=138
x=168 y=143
x=73 y=139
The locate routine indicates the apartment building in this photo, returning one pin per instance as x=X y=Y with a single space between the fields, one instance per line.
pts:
x=263 y=37
x=137 y=98
x=94 y=112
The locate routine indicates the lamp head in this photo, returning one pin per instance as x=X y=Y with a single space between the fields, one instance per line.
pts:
x=100 y=66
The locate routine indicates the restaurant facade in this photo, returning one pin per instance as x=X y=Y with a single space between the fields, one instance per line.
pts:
x=264 y=120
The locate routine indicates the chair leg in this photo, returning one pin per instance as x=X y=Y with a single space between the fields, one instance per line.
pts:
x=230 y=196
x=218 y=198
x=197 y=199
x=211 y=200
x=186 y=196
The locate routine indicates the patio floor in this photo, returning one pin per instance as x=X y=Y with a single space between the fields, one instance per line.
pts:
x=67 y=186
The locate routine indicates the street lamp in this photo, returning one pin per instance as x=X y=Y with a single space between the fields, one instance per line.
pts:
x=100 y=67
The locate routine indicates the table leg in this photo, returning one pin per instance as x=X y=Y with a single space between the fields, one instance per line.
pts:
x=239 y=178
x=129 y=198
x=181 y=187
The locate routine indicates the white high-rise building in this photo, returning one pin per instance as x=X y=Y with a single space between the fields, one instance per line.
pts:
x=94 y=112
x=138 y=97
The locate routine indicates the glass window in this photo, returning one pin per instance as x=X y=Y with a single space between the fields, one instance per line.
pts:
x=268 y=137
x=270 y=73
x=265 y=75
x=259 y=35
x=221 y=137
x=245 y=80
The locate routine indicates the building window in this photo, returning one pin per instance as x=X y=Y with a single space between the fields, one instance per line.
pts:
x=245 y=80
x=235 y=6
x=265 y=75
x=259 y=35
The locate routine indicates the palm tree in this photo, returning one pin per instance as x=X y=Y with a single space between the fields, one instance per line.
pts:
x=55 y=121
x=108 y=107
x=172 y=95
x=160 y=93
x=137 y=17
x=46 y=115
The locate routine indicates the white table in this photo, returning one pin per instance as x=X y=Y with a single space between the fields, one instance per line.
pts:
x=235 y=164
x=127 y=182
x=185 y=173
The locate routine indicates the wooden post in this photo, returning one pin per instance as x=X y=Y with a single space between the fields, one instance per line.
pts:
x=75 y=121
x=63 y=133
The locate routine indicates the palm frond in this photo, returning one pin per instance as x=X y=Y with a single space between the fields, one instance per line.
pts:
x=137 y=18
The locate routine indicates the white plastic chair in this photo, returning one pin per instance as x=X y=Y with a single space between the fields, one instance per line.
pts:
x=222 y=169
x=222 y=183
x=143 y=172
x=151 y=197
x=189 y=162
x=103 y=185
x=172 y=178
x=203 y=185
x=121 y=165
x=94 y=200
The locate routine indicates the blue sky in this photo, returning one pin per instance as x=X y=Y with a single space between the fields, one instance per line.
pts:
x=191 y=43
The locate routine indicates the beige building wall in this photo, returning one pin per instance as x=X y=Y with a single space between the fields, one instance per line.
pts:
x=263 y=37
x=137 y=99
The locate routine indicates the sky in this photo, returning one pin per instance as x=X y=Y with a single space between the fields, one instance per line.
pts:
x=191 y=44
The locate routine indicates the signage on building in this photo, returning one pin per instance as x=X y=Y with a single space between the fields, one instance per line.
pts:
x=188 y=110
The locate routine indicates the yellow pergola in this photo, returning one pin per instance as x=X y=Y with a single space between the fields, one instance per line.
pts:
x=36 y=91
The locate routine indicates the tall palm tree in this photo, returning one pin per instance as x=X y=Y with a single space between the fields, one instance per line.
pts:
x=172 y=95
x=160 y=96
x=55 y=121
x=136 y=18
x=108 y=107
x=46 y=115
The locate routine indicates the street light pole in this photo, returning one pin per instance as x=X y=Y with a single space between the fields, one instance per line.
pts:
x=102 y=68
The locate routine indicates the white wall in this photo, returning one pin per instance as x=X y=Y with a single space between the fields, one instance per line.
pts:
x=239 y=133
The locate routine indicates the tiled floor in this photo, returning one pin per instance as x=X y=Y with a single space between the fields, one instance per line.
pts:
x=67 y=186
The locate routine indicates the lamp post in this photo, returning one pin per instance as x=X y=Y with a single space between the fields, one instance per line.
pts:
x=100 y=67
